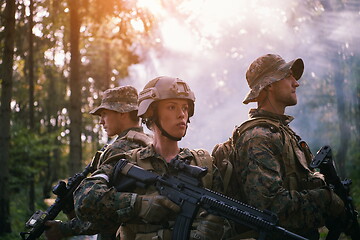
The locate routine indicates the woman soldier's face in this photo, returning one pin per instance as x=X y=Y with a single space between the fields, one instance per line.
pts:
x=173 y=116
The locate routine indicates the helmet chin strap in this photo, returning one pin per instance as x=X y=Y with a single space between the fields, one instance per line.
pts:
x=165 y=133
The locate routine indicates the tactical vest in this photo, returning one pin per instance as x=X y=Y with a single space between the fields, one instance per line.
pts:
x=151 y=231
x=202 y=159
x=296 y=155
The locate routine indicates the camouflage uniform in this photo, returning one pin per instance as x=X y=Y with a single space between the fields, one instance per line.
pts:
x=119 y=99
x=273 y=174
x=272 y=163
x=122 y=144
x=97 y=201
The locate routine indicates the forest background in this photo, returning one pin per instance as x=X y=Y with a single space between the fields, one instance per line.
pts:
x=58 y=56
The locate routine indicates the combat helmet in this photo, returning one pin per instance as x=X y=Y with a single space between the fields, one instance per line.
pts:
x=162 y=88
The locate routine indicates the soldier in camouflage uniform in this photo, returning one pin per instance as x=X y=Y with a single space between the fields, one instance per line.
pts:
x=118 y=116
x=165 y=106
x=271 y=162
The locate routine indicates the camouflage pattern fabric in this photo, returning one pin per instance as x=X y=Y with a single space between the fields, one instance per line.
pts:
x=97 y=201
x=118 y=99
x=121 y=145
x=268 y=69
x=261 y=173
x=76 y=226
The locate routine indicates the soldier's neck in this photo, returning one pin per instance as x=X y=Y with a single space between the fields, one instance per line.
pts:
x=167 y=148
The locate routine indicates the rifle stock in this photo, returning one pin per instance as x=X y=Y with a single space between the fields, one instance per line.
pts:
x=323 y=161
x=185 y=190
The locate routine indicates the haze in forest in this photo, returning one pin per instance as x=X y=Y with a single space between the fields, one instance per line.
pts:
x=210 y=44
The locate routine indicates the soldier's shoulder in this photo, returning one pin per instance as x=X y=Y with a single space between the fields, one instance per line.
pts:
x=256 y=129
x=116 y=152
x=123 y=145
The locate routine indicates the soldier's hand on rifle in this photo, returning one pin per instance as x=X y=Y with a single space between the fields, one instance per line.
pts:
x=211 y=227
x=53 y=231
x=155 y=208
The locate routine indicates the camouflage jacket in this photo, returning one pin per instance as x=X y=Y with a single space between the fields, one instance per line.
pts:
x=97 y=201
x=122 y=144
x=272 y=172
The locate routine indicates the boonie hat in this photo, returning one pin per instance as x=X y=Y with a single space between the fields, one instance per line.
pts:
x=119 y=99
x=268 y=69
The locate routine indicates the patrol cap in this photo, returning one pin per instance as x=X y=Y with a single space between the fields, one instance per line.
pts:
x=118 y=99
x=165 y=88
x=268 y=69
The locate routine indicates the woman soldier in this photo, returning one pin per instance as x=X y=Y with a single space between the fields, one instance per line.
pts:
x=165 y=106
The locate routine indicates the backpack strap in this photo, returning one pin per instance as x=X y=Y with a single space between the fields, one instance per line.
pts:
x=222 y=153
x=227 y=174
x=138 y=137
x=203 y=159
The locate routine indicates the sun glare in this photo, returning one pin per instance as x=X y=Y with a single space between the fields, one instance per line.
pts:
x=137 y=24
x=154 y=6
x=211 y=18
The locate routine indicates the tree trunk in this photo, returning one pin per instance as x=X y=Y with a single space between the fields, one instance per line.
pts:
x=107 y=56
x=31 y=103
x=337 y=59
x=75 y=88
x=343 y=122
x=5 y=114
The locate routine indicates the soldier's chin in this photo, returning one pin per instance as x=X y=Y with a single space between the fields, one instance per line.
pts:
x=293 y=103
x=179 y=134
x=111 y=134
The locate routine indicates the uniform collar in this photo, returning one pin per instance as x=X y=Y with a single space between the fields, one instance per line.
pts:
x=149 y=152
x=284 y=119
x=123 y=133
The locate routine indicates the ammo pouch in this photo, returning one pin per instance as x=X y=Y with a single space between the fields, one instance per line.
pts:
x=144 y=232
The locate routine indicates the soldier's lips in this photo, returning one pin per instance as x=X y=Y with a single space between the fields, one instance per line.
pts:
x=182 y=124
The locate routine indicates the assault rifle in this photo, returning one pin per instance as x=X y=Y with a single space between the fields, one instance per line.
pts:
x=64 y=201
x=185 y=189
x=323 y=161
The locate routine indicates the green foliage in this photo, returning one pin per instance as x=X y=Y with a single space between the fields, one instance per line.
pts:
x=20 y=213
x=354 y=170
x=28 y=155
x=42 y=153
